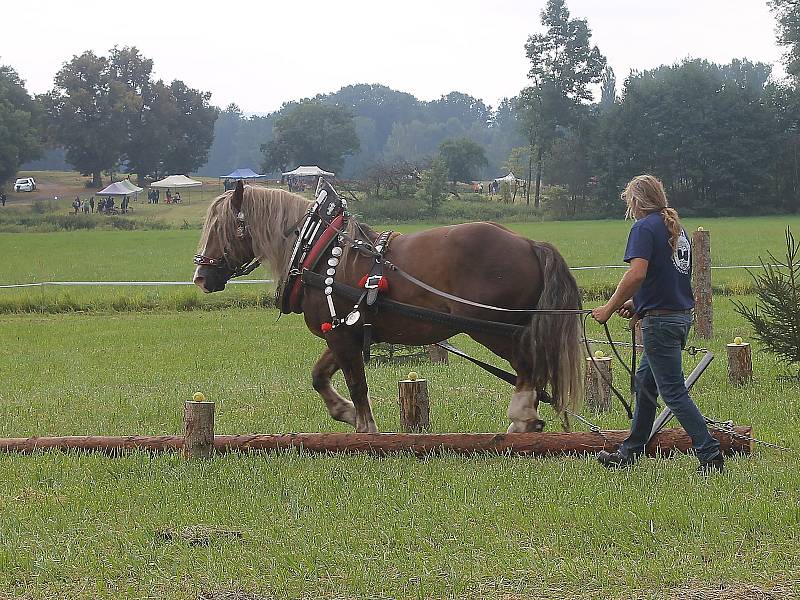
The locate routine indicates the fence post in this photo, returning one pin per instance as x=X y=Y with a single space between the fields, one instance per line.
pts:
x=437 y=354
x=198 y=427
x=701 y=283
x=414 y=404
x=740 y=366
x=597 y=394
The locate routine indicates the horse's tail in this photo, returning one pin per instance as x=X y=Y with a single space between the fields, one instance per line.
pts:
x=555 y=338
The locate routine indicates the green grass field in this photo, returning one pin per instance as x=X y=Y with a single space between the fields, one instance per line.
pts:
x=83 y=526
x=167 y=256
x=357 y=527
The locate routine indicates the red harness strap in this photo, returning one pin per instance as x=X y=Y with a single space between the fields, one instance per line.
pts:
x=311 y=259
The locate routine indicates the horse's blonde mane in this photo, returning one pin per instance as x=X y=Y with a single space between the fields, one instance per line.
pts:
x=271 y=216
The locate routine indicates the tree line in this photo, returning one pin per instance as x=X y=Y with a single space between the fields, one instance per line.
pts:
x=724 y=138
x=108 y=114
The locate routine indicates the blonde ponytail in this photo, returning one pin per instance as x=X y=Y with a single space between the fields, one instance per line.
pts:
x=644 y=195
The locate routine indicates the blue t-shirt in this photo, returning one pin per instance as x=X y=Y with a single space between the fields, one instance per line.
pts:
x=668 y=281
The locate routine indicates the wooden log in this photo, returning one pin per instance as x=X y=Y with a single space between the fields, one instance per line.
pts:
x=701 y=283
x=667 y=442
x=414 y=405
x=437 y=354
x=740 y=366
x=597 y=392
x=198 y=421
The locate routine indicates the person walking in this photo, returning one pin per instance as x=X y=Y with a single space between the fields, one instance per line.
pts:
x=3 y=197
x=656 y=288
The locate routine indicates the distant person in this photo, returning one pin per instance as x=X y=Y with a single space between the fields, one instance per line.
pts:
x=76 y=204
x=91 y=203
x=168 y=196
x=157 y=195
x=2 y=198
x=124 y=204
x=176 y=199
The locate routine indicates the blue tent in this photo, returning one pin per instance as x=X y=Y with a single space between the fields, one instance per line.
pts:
x=242 y=174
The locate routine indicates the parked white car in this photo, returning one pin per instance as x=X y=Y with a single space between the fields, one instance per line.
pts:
x=26 y=184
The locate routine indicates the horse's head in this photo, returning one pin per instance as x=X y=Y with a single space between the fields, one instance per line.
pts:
x=225 y=246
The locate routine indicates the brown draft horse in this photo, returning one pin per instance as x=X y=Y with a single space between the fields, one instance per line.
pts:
x=483 y=262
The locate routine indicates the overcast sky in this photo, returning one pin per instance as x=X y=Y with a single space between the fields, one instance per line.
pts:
x=261 y=54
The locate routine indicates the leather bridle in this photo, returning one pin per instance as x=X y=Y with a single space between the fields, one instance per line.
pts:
x=223 y=262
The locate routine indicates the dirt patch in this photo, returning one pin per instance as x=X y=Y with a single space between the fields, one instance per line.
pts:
x=738 y=591
x=229 y=595
x=199 y=535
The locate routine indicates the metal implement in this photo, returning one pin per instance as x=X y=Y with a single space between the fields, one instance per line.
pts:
x=666 y=414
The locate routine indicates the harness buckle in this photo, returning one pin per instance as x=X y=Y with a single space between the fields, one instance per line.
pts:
x=373 y=282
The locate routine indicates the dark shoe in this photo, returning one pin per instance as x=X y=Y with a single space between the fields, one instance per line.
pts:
x=615 y=460
x=712 y=465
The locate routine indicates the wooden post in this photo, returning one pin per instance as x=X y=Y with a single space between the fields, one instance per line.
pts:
x=701 y=283
x=198 y=421
x=597 y=394
x=414 y=405
x=437 y=354
x=740 y=366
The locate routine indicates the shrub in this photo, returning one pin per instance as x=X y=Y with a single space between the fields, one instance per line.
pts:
x=776 y=316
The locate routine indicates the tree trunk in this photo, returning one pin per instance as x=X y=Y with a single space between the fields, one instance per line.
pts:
x=97 y=180
x=530 y=175
x=539 y=156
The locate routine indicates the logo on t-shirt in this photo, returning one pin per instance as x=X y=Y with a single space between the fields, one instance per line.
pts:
x=682 y=257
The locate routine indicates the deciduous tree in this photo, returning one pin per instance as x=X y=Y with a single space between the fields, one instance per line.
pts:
x=86 y=115
x=311 y=133
x=19 y=138
x=464 y=159
x=563 y=66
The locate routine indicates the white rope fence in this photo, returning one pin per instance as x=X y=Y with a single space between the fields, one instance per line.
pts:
x=264 y=281
x=626 y=266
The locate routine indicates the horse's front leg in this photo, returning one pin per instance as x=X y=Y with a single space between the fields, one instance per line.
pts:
x=346 y=349
x=339 y=408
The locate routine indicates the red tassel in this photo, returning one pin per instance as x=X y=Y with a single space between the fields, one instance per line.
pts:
x=325 y=327
x=383 y=283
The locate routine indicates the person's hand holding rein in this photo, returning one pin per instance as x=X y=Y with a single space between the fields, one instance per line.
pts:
x=621 y=299
x=626 y=311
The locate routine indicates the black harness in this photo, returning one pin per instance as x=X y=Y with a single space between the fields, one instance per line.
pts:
x=223 y=262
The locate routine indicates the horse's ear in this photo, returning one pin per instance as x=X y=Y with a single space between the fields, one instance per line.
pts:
x=238 y=196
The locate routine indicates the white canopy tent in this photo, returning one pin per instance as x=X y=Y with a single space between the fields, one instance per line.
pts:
x=309 y=171
x=510 y=178
x=120 y=188
x=177 y=182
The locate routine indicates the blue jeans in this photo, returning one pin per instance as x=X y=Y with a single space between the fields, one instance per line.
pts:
x=660 y=372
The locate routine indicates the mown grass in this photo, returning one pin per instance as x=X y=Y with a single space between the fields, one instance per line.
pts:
x=80 y=526
x=167 y=256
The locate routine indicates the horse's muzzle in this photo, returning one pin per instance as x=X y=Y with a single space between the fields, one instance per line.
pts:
x=208 y=279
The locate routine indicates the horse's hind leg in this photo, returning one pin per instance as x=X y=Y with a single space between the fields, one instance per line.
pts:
x=339 y=408
x=523 y=410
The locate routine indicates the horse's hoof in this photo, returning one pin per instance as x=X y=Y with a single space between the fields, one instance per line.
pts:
x=534 y=426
